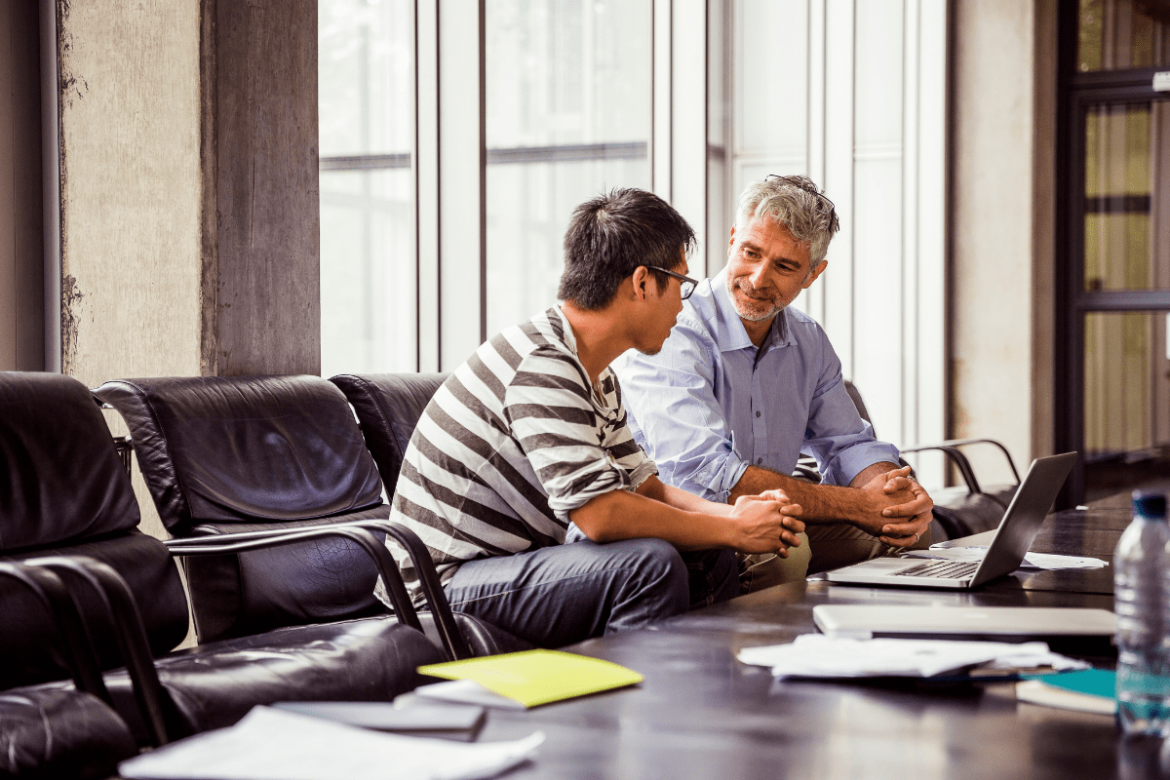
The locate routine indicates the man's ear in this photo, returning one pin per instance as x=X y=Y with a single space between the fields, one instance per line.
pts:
x=812 y=277
x=640 y=279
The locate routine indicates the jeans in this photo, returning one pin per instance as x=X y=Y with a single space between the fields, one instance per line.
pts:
x=555 y=596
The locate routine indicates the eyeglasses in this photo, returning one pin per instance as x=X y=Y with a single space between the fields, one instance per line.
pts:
x=686 y=285
x=806 y=185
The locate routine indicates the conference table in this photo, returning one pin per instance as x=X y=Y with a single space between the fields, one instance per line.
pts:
x=700 y=713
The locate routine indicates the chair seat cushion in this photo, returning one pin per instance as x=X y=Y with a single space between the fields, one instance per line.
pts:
x=483 y=638
x=214 y=685
x=58 y=733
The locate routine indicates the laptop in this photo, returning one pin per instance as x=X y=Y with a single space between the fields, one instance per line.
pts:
x=1017 y=529
x=865 y=621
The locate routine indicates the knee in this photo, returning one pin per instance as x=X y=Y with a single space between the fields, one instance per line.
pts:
x=660 y=568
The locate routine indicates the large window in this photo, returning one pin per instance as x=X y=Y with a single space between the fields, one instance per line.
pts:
x=368 y=267
x=457 y=137
x=568 y=116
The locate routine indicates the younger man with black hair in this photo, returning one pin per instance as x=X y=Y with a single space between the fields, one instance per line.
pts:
x=526 y=447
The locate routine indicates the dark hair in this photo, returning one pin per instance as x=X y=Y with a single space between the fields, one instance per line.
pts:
x=611 y=235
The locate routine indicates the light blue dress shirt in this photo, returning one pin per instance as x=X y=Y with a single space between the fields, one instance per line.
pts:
x=710 y=404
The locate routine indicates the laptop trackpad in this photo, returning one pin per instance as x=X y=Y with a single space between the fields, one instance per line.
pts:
x=885 y=565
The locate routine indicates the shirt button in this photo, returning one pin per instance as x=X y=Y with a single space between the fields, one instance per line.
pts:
x=757 y=414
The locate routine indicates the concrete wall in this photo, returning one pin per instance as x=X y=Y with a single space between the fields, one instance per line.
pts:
x=1003 y=121
x=190 y=206
x=130 y=189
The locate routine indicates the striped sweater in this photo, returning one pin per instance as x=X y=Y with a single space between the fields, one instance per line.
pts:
x=511 y=443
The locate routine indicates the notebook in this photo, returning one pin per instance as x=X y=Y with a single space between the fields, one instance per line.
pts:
x=1017 y=529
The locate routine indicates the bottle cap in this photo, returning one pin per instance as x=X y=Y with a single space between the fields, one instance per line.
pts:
x=1149 y=503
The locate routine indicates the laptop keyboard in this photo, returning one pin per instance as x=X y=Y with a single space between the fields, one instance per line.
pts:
x=944 y=569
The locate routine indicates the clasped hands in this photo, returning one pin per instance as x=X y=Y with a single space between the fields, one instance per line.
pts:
x=900 y=509
x=766 y=523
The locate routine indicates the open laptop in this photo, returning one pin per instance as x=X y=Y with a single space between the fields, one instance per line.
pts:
x=1012 y=539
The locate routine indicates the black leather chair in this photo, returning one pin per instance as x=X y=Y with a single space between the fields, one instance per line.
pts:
x=262 y=457
x=71 y=508
x=54 y=731
x=388 y=408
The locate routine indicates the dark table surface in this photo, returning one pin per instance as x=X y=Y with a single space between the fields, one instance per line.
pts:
x=701 y=713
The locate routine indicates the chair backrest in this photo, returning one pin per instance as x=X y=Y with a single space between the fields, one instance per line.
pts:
x=64 y=491
x=388 y=407
x=226 y=454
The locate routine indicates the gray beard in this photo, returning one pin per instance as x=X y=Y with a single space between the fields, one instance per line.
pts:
x=750 y=317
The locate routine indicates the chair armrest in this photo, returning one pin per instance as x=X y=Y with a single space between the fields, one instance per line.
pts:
x=960 y=461
x=432 y=586
x=953 y=444
x=130 y=632
x=453 y=640
x=258 y=540
x=75 y=643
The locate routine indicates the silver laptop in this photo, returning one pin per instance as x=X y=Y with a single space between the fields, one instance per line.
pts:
x=1017 y=529
x=864 y=621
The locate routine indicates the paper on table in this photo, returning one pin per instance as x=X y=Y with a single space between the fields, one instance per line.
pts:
x=534 y=677
x=1045 y=561
x=817 y=655
x=272 y=744
x=466 y=692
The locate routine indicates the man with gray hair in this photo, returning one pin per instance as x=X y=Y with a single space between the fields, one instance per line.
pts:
x=745 y=383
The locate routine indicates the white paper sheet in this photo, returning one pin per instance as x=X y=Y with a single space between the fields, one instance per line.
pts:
x=272 y=744
x=466 y=692
x=817 y=655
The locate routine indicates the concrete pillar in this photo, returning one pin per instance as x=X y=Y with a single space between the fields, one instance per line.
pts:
x=190 y=214
x=1002 y=260
x=261 y=305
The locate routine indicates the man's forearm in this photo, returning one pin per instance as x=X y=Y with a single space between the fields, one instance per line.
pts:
x=623 y=515
x=821 y=503
x=688 y=522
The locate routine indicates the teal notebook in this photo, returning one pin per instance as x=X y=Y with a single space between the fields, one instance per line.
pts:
x=1087 y=690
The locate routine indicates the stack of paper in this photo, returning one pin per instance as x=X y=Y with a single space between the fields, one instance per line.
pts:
x=272 y=744
x=817 y=655
x=525 y=679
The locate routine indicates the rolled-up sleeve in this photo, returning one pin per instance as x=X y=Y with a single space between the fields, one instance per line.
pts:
x=676 y=417
x=838 y=438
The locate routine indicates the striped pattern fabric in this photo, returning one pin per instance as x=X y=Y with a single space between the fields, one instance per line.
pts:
x=511 y=443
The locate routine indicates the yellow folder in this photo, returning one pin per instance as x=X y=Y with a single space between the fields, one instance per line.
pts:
x=534 y=677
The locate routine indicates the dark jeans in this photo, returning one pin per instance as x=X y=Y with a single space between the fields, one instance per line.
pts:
x=555 y=596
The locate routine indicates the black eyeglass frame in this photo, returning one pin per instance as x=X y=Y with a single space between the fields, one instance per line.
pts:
x=684 y=290
x=802 y=186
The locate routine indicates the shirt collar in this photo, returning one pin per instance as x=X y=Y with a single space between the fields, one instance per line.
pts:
x=730 y=333
x=570 y=339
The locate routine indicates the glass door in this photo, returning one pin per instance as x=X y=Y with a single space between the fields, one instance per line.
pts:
x=1114 y=320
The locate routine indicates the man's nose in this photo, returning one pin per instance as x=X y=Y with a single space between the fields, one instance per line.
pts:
x=759 y=277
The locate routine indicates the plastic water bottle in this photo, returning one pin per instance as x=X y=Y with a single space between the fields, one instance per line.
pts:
x=1142 y=600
